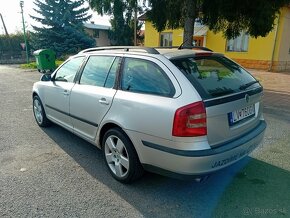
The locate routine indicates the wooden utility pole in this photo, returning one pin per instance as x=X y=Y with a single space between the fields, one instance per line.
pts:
x=5 y=29
x=135 y=25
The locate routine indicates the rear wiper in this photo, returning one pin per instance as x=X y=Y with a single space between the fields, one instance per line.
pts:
x=247 y=85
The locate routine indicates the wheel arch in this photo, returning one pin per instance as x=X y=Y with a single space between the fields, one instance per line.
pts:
x=34 y=93
x=103 y=130
x=111 y=125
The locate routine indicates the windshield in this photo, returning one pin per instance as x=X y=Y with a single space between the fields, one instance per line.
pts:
x=215 y=76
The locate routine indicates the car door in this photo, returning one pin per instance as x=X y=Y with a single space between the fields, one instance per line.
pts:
x=58 y=91
x=92 y=96
x=143 y=102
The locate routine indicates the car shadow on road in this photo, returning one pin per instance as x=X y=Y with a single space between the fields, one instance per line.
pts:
x=153 y=195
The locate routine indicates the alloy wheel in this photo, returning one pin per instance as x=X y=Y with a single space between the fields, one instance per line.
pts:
x=37 y=109
x=117 y=156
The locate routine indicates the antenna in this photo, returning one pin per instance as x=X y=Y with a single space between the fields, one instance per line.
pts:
x=180 y=47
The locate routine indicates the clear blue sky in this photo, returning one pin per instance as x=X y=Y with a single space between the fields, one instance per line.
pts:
x=10 y=11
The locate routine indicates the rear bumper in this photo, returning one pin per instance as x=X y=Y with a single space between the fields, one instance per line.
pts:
x=165 y=160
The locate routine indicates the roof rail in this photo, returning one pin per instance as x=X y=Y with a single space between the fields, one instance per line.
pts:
x=124 y=48
x=166 y=47
x=185 y=47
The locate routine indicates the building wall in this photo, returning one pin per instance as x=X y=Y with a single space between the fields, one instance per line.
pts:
x=103 y=39
x=282 y=52
x=261 y=54
x=152 y=37
x=259 y=50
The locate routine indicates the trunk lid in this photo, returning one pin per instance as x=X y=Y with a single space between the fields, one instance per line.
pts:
x=232 y=96
x=233 y=116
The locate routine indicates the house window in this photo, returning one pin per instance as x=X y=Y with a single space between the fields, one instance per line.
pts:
x=239 y=44
x=165 y=39
x=96 y=34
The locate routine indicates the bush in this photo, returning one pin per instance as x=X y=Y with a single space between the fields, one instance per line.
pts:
x=33 y=65
x=10 y=46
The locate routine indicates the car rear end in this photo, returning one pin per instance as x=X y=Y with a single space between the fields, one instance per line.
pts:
x=224 y=126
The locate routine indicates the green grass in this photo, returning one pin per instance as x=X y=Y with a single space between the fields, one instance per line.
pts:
x=32 y=65
x=58 y=62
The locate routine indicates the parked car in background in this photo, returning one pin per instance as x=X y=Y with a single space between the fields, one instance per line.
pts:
x=178 y=112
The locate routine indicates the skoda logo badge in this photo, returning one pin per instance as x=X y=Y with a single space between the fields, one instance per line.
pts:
x=247 y=98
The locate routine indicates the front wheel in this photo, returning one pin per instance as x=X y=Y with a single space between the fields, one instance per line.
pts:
x=39 y=112
x=121 y=157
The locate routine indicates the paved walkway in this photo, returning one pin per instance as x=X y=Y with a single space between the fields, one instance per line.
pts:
x=276 y=89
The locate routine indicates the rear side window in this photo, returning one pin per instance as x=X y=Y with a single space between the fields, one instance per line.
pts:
x=146 y=77
x=100 y=70
x=67 y=72
x=215 y=75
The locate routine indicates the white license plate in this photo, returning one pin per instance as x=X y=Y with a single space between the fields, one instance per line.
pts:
x=241 y=114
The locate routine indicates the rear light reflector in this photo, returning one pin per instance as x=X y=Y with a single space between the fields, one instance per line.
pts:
x=203 y=54
x=190 y=121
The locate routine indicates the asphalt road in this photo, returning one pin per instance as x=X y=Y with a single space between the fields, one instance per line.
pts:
x=52 y=173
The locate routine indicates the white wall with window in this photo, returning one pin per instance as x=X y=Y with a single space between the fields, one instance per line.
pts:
x=99 y=32
x=238 y=44
x=165 y=39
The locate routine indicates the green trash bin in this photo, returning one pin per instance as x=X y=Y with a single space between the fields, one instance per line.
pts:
x=45 y=60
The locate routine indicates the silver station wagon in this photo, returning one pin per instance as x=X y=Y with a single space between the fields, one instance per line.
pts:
x=183 y=113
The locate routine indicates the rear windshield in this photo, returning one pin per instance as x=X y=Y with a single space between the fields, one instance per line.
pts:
x=215 y=76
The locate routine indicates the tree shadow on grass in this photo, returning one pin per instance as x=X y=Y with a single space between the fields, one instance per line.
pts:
x=154 y=195
x=259 y=190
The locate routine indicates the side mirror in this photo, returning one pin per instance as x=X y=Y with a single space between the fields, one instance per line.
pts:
x=45 y=77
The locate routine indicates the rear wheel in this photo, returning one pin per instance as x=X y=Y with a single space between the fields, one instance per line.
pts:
x=121 y=157
x=39 y=112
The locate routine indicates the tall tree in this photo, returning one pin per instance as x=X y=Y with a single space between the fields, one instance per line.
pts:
x=62 y=26
x=256 y=17
x=122 y=20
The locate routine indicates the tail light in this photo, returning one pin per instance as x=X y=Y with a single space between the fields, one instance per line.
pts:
x=190 y=121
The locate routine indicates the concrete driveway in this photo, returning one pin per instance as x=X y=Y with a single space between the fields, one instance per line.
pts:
x=52 y=173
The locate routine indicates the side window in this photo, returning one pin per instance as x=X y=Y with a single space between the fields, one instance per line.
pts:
x=145 y=77
x=68 y=71
x=96 y=70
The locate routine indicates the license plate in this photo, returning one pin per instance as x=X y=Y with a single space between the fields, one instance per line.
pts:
x=241 y=114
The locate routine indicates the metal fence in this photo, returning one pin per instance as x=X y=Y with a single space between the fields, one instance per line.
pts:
x=13 y=57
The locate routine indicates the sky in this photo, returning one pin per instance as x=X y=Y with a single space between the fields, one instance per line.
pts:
x=10 y=11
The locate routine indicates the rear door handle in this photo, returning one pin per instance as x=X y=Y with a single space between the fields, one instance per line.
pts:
x=104 y=101
x=66 y=92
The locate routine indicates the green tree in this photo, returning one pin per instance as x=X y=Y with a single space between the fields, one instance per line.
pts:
x=62 y=26
x=256 y=17
x=122 y=20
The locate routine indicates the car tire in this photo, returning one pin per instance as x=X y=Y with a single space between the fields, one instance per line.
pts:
x=39 y=113
x=121 y=157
